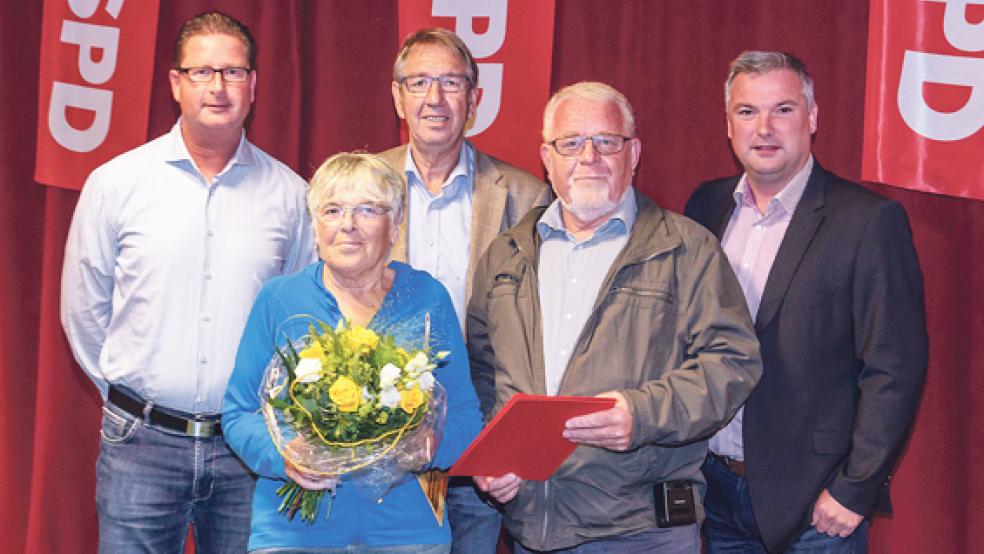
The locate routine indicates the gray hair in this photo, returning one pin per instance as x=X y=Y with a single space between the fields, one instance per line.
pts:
x=758 y=62
x=588 y=90
x=361 y=171
x=436 y=37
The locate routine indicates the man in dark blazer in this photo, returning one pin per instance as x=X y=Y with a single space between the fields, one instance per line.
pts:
x=831 y=278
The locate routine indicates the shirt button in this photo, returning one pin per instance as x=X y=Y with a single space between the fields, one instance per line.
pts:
x=569 y=316
x=563 y=352
x=574 y=281
x=206 y=317
x=203 y=359
x=210 y=233
x=208 y=276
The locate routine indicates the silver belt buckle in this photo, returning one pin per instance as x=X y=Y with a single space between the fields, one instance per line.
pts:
x=199 y=429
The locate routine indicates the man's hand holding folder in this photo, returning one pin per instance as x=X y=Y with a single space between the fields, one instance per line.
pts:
x=532 y=435
x=611 y=428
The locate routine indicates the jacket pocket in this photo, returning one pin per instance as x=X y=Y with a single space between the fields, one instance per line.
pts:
x=833 y=442
x=640 y=296
x=505 y=284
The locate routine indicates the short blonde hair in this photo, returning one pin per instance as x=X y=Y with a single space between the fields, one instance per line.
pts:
x=588 y=90
x=360 y=171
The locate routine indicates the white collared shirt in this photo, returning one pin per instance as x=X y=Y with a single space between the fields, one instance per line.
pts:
x=162 y=267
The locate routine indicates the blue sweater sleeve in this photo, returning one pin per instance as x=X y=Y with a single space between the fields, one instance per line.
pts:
x=242 y=421
x=464 y=420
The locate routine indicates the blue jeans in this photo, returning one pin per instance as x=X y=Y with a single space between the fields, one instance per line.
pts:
x=730 y=522
x=475 y=524
x=671 y=540
x=362 y=549
x=150 y=484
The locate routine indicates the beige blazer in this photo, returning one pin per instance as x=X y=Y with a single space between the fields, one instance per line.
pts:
x=503 y=194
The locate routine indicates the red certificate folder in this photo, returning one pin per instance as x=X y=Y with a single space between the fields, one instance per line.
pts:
x=525 y=437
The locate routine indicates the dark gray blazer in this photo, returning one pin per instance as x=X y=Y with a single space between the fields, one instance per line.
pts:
x=842 y=328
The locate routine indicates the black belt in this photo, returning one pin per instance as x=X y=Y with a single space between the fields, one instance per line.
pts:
x=735 y=466
x=194 y=426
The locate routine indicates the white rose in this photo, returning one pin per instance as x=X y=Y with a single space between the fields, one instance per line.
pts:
x=417 y=364
x=426 y=381
x=308 y=370
x=389 y=397
x=388 y=375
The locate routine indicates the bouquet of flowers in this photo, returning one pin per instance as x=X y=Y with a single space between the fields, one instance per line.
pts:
x=351 y=404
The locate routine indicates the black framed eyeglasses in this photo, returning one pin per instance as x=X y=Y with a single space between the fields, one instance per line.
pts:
x=605 y=144
x=418 y=85
x=205 y=74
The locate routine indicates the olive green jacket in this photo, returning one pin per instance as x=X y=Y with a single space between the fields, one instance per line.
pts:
x=669 y=330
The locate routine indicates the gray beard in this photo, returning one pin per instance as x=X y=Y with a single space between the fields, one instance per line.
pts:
x=586 y=212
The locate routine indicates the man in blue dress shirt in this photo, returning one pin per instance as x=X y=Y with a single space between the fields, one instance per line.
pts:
x=169 y=245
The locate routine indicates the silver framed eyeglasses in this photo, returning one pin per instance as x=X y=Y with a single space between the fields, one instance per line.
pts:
x=335 y=213
x=205 y=74
x=604 y=144
x=418 y=85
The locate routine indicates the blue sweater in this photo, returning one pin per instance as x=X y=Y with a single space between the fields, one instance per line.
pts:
x=403 y=516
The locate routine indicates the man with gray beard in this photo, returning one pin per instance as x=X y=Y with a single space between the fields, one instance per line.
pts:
x=612 y=296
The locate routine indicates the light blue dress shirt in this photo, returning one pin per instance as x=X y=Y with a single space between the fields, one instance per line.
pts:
x=162 y=267
x=751 y=242
x=570 y=274
x=439 y=226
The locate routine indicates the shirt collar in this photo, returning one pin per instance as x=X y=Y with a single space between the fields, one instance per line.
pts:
x=464 y=168
x=177 y=151
x=787 y=198
x=620 y=223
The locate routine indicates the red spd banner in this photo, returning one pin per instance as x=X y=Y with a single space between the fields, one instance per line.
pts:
x=924 y=103
x=96 y=63
x=513 y=45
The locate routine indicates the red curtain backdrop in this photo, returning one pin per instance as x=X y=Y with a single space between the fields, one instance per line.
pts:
x=324 y=70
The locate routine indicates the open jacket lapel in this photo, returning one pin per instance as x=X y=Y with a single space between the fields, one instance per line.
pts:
x=397 y=158
x=488 y=211
x=802 y=228
x=489 y=199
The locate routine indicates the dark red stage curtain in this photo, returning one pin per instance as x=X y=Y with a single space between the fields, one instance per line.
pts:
x=324 y=72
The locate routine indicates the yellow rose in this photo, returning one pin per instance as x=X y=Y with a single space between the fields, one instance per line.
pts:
x=345 y=394
x=410 y=399
x=313 y=351
x=360 y=339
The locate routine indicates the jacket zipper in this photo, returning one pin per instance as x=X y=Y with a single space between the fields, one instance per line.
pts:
x=642 y=292
x=536 y=308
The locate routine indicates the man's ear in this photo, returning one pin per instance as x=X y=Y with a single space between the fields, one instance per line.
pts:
x=174 y=76
x=252 y=86
x=398 y=99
